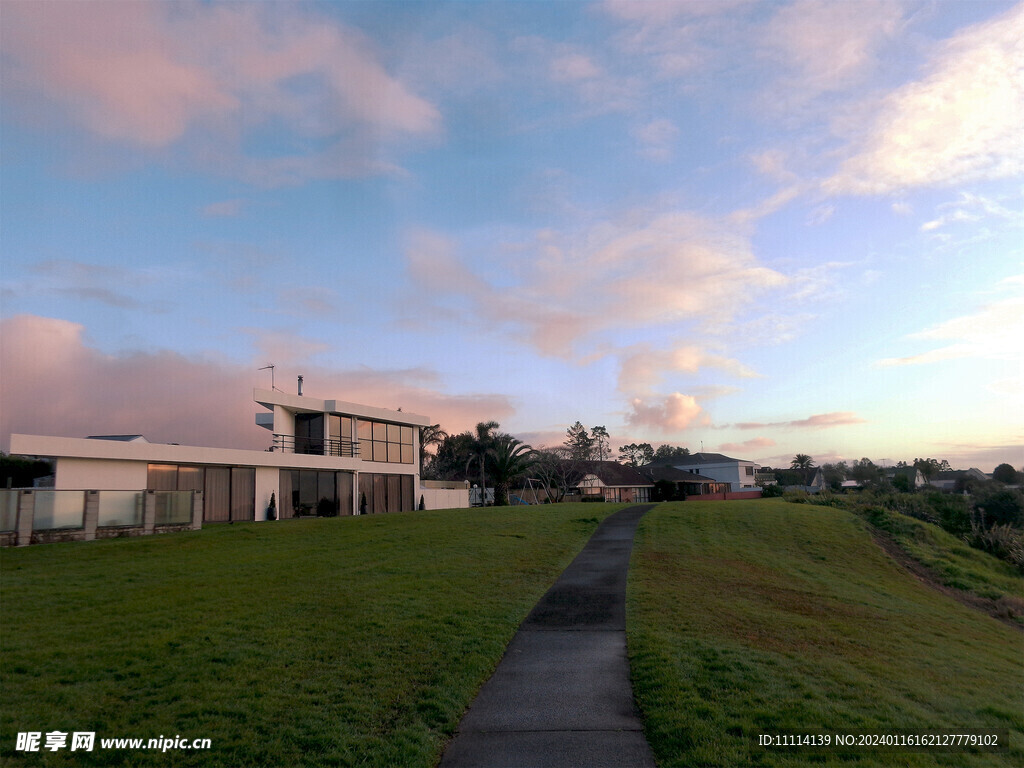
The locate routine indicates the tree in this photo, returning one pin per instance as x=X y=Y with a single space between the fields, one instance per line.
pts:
x=579 y=442
x=667 y=452
x=511 y=460
x=636 y=454
x=1005 y=473
x=600 y=439
x=449 y=463
x=835 y=474
x=482 y=442
x=805 y=464
x=928 y=467
x=865 y=472
x=557 y=470
x=430 y=436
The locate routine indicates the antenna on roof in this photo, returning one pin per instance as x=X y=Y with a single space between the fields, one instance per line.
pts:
x=271 y=367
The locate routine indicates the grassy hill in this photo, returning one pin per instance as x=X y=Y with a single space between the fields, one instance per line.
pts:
x=346 y=641
x=767 y=617
x=360 y=641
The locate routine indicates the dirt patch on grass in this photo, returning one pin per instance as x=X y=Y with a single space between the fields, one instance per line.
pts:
x=1008 y=610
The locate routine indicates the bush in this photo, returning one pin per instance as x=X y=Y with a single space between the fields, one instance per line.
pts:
x=1003 y=541
x=771 y=492
x=1000 y=507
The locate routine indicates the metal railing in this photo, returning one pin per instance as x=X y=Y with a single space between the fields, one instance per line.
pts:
x=316 y=446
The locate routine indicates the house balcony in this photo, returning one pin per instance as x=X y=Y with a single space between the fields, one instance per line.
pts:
x=316 y=446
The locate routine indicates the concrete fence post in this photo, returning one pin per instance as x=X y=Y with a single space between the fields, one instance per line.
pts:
x=197 y=510
x=92 y=515
x=149 y=513
x=26 y=516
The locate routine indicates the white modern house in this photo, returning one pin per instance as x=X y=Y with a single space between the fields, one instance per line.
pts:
x=324 y=457
x=740 y=474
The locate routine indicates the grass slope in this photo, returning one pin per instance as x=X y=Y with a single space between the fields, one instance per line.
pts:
x=351 y=641
x=759 y=617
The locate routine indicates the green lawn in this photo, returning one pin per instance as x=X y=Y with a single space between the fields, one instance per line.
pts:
x=350 y=641
x=766 y=617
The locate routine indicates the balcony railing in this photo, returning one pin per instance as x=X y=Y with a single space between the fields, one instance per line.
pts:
x=316 y=446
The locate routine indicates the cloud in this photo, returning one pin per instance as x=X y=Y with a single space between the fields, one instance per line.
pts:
x=971 y=208
x=54 y=383
x=992 y=332
x=93 y=282
x=657 y=139
x=673 y=414
x=223 y=208
x=748 y=445
x=573 y=68
x=641 y=367
x=827 y=46
x=960 y=123
x=564 y=289
x=818 y=421
x=153 y=75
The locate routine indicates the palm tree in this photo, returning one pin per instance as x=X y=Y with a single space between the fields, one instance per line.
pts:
x=432 y=435
x=482 y=442
x=511 y=459
x=803 y=462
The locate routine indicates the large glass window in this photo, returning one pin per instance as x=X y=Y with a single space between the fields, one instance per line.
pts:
x=383 y=442
x=385 y=493
x=312 y=492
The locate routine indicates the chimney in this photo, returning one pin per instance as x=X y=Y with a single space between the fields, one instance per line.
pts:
x=300 y=386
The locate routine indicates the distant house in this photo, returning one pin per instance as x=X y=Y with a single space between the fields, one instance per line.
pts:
x=614 y=482
x=686 y=483
x=913 y=475
x=765 y=476
x=947 y=481
x=740 y=474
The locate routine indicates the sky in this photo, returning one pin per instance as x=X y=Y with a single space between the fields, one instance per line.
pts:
x=754 y=228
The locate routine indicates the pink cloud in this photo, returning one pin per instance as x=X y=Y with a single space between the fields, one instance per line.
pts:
x=676 y=412
x=817 y=421
x=55 y=384
x=746 y=445
x=157 y=74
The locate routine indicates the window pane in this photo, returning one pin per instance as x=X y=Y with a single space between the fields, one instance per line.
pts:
x=380 y=431
x=380 y=494
x=407 y=456
x=120 y=508
x=408 y=500
x=327 y=498
x=162 y=477
x=8 y=510
x=394 y=433
x=345 y=493
x=407 y=435
x=335 y=424
x=380 y=450
x=307 y=492
x=346 y=427
x=285 y=504
x=173 y=507
x=394 y=493
x=217 y=495
x=59 y=509
x=243 y=493
x=190 y=478
x=394 y=453
x=365 y=430
x=365 y=493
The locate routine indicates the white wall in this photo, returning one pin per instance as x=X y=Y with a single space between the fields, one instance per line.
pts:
x=268 y=481
x=101 y=474
x=444 y=498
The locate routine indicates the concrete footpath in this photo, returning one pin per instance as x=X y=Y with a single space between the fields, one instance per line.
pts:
x=561 y=695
